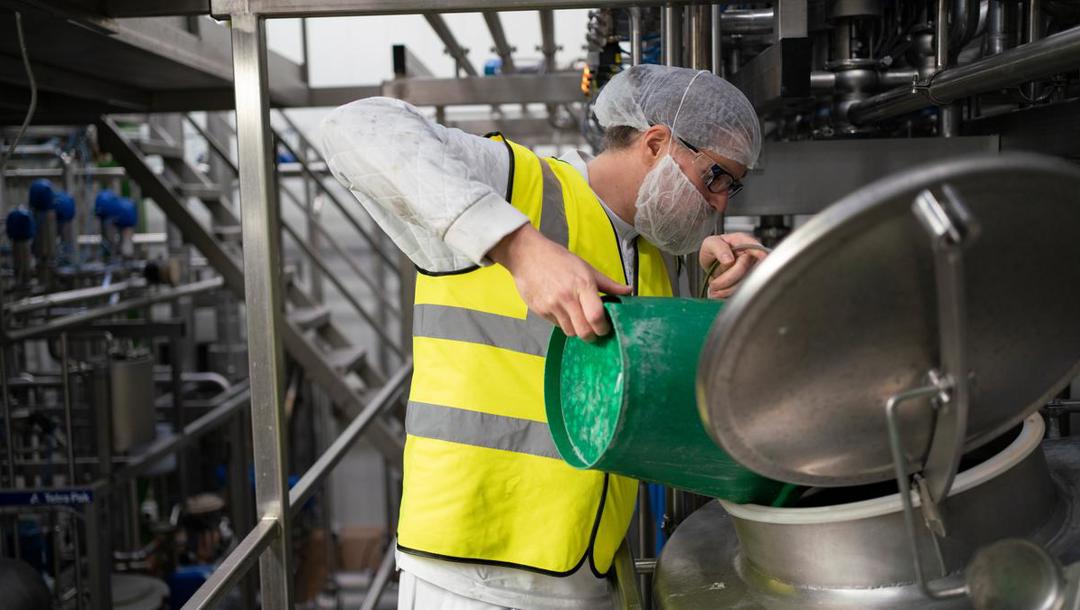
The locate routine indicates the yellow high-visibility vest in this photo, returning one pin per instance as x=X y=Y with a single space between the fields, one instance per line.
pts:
x=483 y=481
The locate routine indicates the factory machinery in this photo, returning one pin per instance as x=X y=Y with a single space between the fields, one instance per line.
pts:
x=904 y=357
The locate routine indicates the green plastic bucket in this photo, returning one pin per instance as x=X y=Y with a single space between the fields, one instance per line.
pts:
x=626 y=403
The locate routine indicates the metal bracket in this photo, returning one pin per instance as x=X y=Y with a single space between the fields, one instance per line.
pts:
x=951 y=228
x=923 y=88
x=937 y=387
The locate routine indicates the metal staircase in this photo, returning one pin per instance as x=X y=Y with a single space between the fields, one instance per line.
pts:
x=311 y=337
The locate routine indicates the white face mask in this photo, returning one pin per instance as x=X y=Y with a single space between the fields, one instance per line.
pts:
x=671 y=212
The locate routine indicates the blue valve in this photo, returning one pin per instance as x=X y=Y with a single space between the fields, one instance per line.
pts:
x=65 y=208
x=20 y=225
x=42 y=196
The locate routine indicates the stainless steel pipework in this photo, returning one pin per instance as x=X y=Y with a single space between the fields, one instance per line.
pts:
x=1034 y=32
x=699 y=36
x=996 y=34
x=717 y=42
x=965 y=21
x=746 y=21
x=948 y=115
x=672 y=35
x=1039 y=59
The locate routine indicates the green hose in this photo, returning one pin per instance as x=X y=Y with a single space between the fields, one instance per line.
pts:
x=716 y=263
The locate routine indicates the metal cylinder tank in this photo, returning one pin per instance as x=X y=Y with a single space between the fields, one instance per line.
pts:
x=131 y=378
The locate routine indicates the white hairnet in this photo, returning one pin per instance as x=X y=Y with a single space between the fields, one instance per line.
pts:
x=715 y=115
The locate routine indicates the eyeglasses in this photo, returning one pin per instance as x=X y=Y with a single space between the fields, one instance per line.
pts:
x=717 y=179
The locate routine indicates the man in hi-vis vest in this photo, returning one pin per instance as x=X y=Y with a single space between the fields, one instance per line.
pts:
x=508 y=244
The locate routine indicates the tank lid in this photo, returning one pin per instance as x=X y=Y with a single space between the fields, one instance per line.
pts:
x=798 y=366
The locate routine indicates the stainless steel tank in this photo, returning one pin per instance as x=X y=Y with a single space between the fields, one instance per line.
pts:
x=854 y=555
x=927 y=289
x=131 y=381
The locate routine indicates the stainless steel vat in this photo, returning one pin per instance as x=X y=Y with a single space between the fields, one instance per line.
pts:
x=132 y=396
x=854 y=555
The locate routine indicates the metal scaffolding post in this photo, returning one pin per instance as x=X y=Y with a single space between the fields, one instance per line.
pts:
x=672 y=35
x=635 y=35
x=262 y=294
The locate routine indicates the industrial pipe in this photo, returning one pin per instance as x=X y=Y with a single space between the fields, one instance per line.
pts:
x=1034 y=32
x=996 y=34
x=965 y=20
x=747 y=21
x=672 y=22
x=635 y=36
x=1035 y=60
x=821 y=80
x=699 y=54
x=949 y=115
x=716 y=18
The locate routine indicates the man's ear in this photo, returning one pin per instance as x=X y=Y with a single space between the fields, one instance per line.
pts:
x=653 y=143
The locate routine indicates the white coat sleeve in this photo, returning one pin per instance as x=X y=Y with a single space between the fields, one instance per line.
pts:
x=438 y=192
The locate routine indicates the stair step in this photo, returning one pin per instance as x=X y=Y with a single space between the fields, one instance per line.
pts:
x=288 y=275
x=227 y=232
x=152 y=146
x=206 y=192
x=347 y=359
x=308 y=318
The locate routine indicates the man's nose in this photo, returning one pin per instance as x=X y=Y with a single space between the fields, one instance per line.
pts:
x=718 y=201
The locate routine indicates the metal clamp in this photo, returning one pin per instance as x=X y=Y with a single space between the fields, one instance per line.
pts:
x=938 y=387
x=924 y=88
x=951 y=228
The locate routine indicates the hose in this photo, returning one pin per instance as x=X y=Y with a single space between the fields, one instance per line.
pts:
x=716 y=263
x=33 y=92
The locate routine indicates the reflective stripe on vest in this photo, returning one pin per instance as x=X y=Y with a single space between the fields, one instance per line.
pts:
x=483 y=481
x=480 y=429
x=528 y=336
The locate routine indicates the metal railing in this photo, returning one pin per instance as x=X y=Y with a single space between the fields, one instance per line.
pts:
x=270 y=541
x=252 y=547
x=314 y=258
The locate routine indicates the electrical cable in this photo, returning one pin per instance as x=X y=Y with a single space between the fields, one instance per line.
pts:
x=33 y=92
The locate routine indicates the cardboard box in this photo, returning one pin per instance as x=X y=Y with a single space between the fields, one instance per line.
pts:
x=314 y=571
x=361 y=548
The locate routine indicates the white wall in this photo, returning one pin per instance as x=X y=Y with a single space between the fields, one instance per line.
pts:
x=357 y=50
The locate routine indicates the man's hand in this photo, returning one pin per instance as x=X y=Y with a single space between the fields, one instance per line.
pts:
x=734 y=265
x=556 y=283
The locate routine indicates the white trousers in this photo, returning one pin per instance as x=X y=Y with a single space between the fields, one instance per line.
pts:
x=417 y=594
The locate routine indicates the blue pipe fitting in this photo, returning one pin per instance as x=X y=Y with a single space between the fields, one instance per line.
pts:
x=42 y=196
x=20 y=225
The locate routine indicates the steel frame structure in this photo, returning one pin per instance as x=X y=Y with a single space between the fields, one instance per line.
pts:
x=268 y=542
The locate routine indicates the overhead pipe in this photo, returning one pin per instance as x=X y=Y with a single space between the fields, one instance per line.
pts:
x=997 y=35
x=698 y=23
x=949 y=115
x=1034 y=20
x=672 y=29
x=964 y=23
x=635 y=36
x=1034 y=32
x=746 y=21
x=502 y=47
x=821 y=80
x=1032 y=61
x=716 y=17
x=460 y=54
